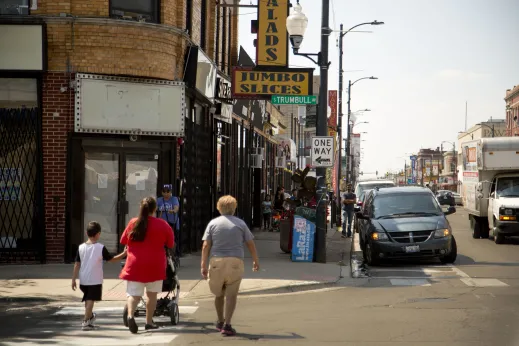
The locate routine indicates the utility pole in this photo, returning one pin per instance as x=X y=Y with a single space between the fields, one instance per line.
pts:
x=322 y=130
x=339 y=127
x=348 y=133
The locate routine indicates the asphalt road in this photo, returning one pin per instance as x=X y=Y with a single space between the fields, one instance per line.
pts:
x=473 y=302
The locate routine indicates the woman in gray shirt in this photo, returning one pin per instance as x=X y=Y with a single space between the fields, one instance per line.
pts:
x=223 y=239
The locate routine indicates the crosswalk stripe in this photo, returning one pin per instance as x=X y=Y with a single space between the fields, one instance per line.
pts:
x=67 y=331
x=79 y=310
x=458 y=271
x=483 y=282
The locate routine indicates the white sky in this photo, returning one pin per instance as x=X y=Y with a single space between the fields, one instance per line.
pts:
x=430 y=57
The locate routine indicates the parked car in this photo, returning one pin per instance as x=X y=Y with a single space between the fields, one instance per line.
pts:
x=457 y=198
x=405 y=222
x=371 y=184
x=358 y=207
x=446 y=197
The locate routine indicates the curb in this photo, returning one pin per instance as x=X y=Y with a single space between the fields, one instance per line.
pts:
x=357 y=265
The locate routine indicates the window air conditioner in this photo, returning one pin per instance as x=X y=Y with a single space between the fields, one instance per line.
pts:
x=257 y=151
x=256 y=161
x=281 y=162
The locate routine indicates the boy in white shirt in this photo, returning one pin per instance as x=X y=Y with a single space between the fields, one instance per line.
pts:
x=89 y=266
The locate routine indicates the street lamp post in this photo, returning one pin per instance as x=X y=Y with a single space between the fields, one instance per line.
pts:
x=348 y=143
x=341 y=73
x=296 y=27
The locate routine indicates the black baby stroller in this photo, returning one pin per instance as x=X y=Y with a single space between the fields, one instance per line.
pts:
x=168 y=305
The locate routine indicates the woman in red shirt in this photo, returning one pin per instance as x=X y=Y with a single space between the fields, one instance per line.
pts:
x=145 y=266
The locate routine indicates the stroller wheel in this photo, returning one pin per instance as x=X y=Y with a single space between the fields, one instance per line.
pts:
x=125 y=316
x=174 y=314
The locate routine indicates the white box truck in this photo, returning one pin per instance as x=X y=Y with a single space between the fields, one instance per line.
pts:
x=491 y=186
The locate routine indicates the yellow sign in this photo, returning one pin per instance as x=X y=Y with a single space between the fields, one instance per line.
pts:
x=272 y=46
x=254 y=84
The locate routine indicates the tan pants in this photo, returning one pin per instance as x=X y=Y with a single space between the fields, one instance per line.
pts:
x=225 y=275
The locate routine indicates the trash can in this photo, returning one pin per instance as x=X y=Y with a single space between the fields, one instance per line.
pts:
x=285 y=235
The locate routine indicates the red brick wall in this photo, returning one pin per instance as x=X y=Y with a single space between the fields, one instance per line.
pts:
x=57 y=121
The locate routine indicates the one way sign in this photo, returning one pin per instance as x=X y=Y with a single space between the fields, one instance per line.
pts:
x=323 y=152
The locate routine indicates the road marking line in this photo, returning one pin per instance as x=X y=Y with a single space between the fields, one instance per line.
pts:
x=396 y=269
x=409 y=282
x=414 y=277
x=459 y=271
x=483 y=282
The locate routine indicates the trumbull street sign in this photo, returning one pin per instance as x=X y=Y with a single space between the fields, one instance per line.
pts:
x=294 y=100
x=323 y=151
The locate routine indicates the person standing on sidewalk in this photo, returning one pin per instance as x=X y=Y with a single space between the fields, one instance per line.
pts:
x=167 y=209
x=223 y=239
x=146 y=238
x=267 y=212
x=348 y=204
x=89 y=268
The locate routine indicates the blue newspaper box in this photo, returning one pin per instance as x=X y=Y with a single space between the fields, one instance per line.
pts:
x=303 y=240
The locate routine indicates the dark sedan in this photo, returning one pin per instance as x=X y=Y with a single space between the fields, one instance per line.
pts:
x=405 y=222
x=446 y=197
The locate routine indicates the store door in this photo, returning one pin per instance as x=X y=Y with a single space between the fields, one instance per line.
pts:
x=115 y=184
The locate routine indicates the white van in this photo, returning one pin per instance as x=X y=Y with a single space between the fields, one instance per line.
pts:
x=370 y=185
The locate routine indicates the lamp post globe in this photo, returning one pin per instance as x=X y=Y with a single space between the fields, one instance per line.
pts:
x=296 y=26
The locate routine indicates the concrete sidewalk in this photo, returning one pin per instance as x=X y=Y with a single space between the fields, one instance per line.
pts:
x=278 y=274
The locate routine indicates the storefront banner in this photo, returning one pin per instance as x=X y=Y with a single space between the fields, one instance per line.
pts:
x=332 y=103
x=286 y=148
x=201 y=72
x=303 y=240
x=262 y=84
x=272 y=46
x=125 y=105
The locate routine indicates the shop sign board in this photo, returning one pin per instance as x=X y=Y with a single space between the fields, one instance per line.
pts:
x=127 y=105
x=263 y=84
x=303 y=240
x=322 y=151
x=272 y=46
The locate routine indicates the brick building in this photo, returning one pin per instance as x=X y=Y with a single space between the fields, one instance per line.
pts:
x=512 y=111
x=94 y=98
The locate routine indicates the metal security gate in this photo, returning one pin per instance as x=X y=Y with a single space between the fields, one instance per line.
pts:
x=22 y=232
x=198 y=174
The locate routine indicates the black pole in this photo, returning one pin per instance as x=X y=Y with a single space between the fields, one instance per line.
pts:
x=405 y=172
x=348 y=134
x=339 y=125
x=322 y=130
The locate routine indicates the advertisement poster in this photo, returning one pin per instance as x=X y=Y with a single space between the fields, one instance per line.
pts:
x=303 y=240
x=218 y=167
x=469 y=151
x=413 y=169
x=10 y=184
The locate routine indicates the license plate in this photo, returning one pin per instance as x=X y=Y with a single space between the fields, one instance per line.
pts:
x=414 y=248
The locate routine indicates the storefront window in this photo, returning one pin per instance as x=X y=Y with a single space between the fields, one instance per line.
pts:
x=14 y=7
x=19 y=117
